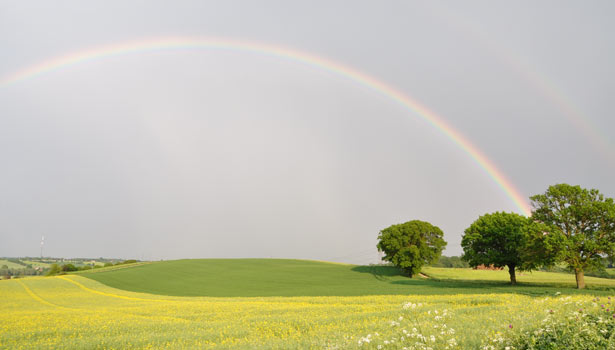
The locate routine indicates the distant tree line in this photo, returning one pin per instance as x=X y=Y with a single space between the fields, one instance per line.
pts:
x=29 y=267
x=8 y=273
x=57 y=269
x=569 y=226
x=450 y=262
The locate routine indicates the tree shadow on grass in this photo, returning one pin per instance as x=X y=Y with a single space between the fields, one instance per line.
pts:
x=454 y=286
x=433 y=286
x=381 y=273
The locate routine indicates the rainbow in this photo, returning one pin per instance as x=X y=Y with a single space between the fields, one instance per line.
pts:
x=306 y=58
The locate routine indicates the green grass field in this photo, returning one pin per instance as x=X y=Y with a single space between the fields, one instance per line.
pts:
x=526 y=278
x=284 y=304
x=281 y=277
x=252 y=277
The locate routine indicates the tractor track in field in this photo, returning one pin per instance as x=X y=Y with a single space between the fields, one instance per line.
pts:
x=41 y=300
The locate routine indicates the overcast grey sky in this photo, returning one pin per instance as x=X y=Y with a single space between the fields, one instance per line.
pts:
x=226 y=153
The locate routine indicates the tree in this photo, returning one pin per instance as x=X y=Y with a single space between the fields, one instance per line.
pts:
x=69 y=268
x=54 y=269
x=411 y=245
x=580 y=226
x=497 y=239
x=540 y=249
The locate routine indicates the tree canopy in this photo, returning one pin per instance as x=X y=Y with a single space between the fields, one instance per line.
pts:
x=497 y=239
x=579 y=224
x=411 y=245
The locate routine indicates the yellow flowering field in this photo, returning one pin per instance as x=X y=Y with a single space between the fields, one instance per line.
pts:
x=73 y=312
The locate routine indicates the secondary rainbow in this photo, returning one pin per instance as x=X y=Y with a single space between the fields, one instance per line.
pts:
x=537 y=80
x=213 y=43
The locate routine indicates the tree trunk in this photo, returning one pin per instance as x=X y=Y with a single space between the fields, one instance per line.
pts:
x=513 y=277
x=578 y=273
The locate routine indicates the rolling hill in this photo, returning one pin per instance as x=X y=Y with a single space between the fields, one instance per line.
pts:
x=286 y=277
x=252 y=277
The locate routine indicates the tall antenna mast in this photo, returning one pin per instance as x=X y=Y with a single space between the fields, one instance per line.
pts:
x=42 y=243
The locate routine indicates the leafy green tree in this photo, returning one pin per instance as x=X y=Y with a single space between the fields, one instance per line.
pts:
x=540 y=249
x=54 y=269
x=411 y=245
x=497 y=239
x=581 y=226
x=69 y=268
